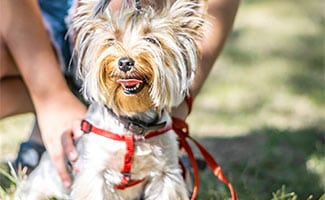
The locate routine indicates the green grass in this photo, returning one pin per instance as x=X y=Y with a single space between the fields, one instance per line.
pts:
x=262 y=162
x=271 y=72
x=261 y=112
x=8 y=182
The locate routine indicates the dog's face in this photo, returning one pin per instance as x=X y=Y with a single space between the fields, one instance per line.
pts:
x=138 y=60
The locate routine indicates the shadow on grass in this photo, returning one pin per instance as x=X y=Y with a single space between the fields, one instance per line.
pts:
x=262 y=162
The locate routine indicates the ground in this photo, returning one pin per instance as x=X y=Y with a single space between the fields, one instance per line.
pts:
x=261 y=112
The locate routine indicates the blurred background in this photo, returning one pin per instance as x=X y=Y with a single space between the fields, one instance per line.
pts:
x=262 y=110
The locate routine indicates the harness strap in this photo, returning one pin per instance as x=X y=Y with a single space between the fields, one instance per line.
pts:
x=181 y=129
x=126 y=180
x=128 y=157
x=158 y=132
x=87 y=127
x=129 y=184
x=129 y=139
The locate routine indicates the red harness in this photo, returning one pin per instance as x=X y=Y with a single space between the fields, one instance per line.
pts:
x=129 y=139
x=182 y=131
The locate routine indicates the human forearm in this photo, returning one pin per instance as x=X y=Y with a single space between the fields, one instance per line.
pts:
x=221 y=14
x=57 y=109
x=25 y=35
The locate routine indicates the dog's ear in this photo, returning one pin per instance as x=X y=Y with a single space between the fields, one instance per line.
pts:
x=187 y=17
x=188 y=14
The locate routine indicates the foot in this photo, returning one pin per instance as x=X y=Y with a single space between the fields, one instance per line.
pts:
x=29 y=155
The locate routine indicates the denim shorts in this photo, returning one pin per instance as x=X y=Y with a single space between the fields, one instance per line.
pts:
x=56 y=19
x=54 y=16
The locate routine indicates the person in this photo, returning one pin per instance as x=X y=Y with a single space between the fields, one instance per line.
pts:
x=31 y=79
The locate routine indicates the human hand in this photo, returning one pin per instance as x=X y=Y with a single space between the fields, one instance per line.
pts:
x=67 y=140
x=59 y=116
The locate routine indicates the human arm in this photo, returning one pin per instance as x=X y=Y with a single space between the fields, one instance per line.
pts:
x=56 y=108
x=221 y=15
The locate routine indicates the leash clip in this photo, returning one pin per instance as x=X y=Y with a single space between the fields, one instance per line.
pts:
x=86 y=126
x=127 y=174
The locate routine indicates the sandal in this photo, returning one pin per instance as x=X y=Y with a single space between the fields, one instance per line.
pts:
x=29 y=155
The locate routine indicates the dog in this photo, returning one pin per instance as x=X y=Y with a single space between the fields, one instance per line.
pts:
x=135 y=64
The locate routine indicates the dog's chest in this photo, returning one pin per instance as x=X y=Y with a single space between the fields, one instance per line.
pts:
x=99 y=153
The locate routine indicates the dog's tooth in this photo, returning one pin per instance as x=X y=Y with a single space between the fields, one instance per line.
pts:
x=132 y=88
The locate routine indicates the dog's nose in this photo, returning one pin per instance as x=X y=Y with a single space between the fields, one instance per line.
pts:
x=125 y=64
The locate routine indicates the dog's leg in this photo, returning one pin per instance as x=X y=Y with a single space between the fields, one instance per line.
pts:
x=167 y=183
x=88 y=185
x=91 y=185
x=167 y=186
x=42 y=183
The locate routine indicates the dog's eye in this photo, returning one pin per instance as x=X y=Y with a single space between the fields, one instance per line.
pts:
x=151 y=40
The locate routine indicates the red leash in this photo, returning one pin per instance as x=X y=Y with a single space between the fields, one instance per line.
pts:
x=181 y=129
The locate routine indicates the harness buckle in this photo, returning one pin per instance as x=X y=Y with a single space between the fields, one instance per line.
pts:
x=86 y=126
x=127 y=174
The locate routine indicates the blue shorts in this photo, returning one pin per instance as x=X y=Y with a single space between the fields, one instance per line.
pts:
x=54 y=14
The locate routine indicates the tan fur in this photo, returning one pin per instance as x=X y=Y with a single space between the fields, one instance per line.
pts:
x=108 y=85
x=169 y=64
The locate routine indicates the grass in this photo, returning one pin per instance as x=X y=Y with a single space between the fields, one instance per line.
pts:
x=261 y=112
x=266 y=160
x=8 y=182
x=271 y=72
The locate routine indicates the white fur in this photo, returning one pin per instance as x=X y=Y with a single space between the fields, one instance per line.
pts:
x=173 y=60
x=101 y=160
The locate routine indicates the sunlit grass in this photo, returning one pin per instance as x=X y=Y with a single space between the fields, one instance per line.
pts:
x=14 y=130
x=271 y=72
x=8 y=180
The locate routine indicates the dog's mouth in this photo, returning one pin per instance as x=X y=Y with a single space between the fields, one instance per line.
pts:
x=131 y=85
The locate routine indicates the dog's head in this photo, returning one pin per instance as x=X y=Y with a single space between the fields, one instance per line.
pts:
x=137 y=59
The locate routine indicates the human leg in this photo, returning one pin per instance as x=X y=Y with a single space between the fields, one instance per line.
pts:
x=15 y=99
x=24 y=33
x=14 y=96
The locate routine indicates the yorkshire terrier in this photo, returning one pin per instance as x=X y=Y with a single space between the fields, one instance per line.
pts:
x=135 y=65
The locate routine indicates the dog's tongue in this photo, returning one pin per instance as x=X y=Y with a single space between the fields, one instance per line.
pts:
x=129 y=82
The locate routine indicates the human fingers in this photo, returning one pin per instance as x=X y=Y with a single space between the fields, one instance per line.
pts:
x=68 y=145
x=76 y=128
x=59 y=163
x=68 y=142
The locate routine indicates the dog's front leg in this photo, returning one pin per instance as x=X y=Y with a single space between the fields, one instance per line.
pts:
x=98 y=186
x=88 y=185
x=168 y=185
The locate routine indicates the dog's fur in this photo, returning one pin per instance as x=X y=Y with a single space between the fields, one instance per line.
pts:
x=162 y=45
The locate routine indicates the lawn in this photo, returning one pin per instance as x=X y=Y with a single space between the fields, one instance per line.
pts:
x=261 y=112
